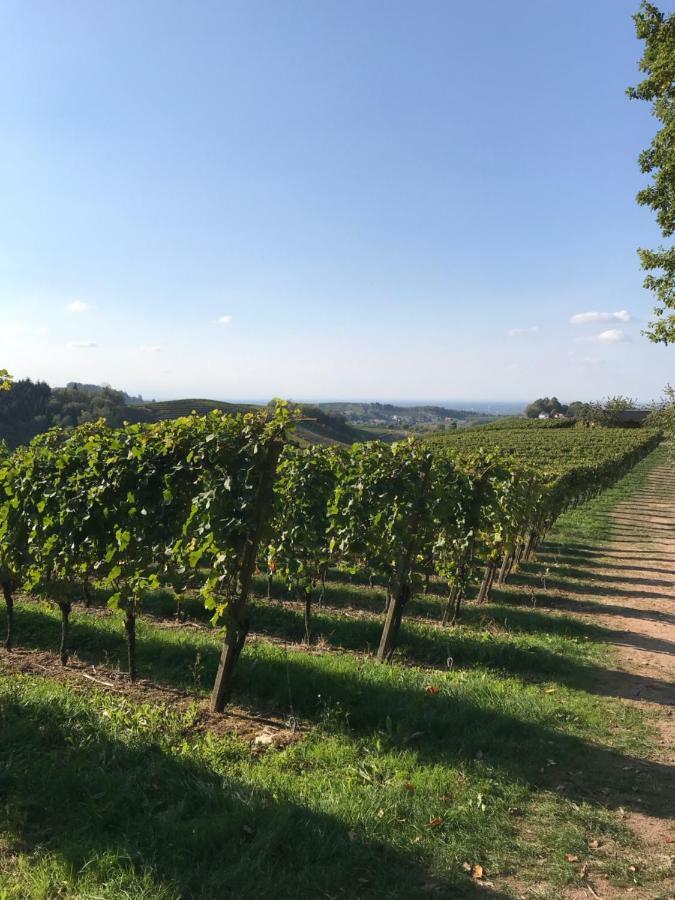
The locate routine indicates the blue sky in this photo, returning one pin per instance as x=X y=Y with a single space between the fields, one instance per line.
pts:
x=357 y=200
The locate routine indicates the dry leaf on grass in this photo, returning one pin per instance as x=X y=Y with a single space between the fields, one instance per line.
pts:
x=475 y=870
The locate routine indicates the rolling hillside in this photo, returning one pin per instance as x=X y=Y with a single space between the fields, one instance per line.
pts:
x=317 y=426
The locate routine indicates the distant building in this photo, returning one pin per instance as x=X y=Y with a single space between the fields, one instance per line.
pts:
x=630 y=416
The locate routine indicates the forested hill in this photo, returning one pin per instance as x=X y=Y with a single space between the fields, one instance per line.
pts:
x=30 y=408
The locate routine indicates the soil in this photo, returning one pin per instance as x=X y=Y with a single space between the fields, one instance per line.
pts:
x=630 y=584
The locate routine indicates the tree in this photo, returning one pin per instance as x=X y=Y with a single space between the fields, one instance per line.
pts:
x=548 y=405
x=663 y=413
x=658 y=160
x=580 y=410
x=29 y=408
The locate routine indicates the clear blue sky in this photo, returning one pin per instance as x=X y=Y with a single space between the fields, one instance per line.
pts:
x=375 y=195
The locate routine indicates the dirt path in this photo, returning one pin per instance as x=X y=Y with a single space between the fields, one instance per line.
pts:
x=632 y=595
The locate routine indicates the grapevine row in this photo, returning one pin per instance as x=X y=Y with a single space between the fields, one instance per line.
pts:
x=206 y=500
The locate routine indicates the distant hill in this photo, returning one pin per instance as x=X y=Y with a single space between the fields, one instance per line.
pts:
x=318 y=426
x=174 y=409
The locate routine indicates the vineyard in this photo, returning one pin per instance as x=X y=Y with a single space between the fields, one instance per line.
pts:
x=204 y=502
x=403 y=714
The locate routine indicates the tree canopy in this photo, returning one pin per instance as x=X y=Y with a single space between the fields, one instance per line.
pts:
x=549 y=406
x=27 y=408
x=657 y=30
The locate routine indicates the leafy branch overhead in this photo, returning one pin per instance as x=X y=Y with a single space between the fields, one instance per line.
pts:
x=657 y=30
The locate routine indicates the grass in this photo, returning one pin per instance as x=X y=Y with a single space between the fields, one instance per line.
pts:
x=484 y=744
x=591 y=520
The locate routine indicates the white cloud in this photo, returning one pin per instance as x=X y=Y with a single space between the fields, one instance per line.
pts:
x=611 y=336
x=82 y=345
x=77 y=307
x=518 y=332
x=589 y=317
x=150 y=348
x=224 y=320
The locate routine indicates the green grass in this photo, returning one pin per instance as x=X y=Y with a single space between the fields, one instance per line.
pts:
x=487 y=743
x=591 y=521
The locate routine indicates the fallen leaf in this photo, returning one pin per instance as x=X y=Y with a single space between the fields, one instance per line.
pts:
x=570 y=857
x=434 y=823
x=432 y=689
x=408 y=786
x=475 y=869
x=549 y=690
x=594 y=844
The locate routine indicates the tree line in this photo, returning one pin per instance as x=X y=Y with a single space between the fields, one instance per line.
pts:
x=28 y=408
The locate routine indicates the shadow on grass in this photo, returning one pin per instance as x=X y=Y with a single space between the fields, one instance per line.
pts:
x=162 y=651
x=184 y=657
x=572 y=604
x=537 y=572
x=136 y=812
x=554 y=580
x=391 y=701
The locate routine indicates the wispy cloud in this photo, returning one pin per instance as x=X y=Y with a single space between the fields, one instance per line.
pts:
x=514 y=367
x=77 y=307
x=519 y=332
x=150 y=348
x=586 y=318
x=82 y=345
x=224 y=320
